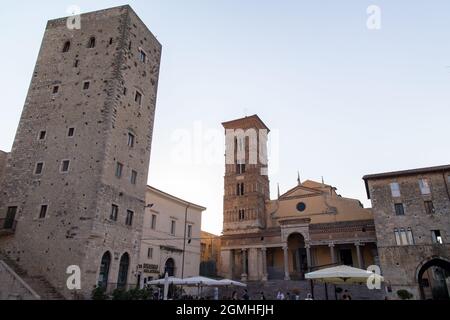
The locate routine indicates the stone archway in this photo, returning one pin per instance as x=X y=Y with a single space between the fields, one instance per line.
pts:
x=298 y=265
x=433 y=277
x=169 y=267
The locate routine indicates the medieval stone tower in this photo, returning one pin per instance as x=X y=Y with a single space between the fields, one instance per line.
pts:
x=76 y=177
x=246 y=176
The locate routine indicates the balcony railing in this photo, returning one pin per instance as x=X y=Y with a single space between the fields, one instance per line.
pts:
x=7 y=226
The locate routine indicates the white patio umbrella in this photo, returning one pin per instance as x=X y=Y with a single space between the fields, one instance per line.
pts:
x=343 y=275
x=231 y=283
x=201 y=281
x=166 y=281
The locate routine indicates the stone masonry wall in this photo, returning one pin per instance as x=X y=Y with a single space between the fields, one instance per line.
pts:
x=77 y=229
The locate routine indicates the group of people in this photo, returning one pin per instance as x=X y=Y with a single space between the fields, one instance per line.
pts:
x=289 y=296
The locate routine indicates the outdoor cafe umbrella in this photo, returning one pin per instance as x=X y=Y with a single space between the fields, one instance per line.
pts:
x=342 y=275
x=231 y=283
x=166 y=281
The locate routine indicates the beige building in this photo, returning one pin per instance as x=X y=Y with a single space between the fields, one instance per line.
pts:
x=412 y=218
x=308 y=227
x=73 y=192
x=209 y=254
x=170 y=237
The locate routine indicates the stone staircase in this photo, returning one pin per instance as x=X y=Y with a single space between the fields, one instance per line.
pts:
x=270 y=289
x=38 y=283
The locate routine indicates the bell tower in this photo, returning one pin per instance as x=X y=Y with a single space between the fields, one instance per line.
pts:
x=246 y=187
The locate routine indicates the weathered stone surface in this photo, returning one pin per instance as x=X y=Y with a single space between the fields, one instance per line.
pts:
x=77 y=229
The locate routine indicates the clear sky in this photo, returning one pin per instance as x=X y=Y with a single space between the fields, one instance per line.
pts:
x=342 y=100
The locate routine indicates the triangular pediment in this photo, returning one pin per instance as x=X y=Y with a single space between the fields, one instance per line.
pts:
x=300 y=191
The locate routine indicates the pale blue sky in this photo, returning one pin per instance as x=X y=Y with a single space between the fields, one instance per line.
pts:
x=346 y=101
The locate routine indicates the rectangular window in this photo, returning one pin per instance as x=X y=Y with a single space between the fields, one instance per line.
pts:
x=172 y=227
x=436 y=237
x=130 y=140
x=240 y=168
x=241 y=214
x=119 y=168
x=403 y=237
x=399 y=209
x=397 y=237
x=240 y=189
x=10 y=218
x=142 y=56
x=395 y=189
x=410 y=236
x=42 y=135
x=39 y=167
x=71 y=132
x=153 y=223
x=124 y=91
x=43 y=212
x=65 y=166
x=114 y=212
x=133 y=177
x=150 y=253
x=429 y=207
x=129 y=220
x=138 y=98
x=424 y=186
x=86 y=85
x=55 y=89
x=189 y=231
x=76 y=63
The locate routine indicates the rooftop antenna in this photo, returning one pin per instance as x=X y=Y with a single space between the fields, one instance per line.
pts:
x=298 y=178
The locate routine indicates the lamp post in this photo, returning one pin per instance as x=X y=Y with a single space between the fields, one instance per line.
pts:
x=184 y=240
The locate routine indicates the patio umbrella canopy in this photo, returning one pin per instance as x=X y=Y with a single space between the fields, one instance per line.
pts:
x=169 y=280
x=231 y=283
x=201 y=281
x=342 y=275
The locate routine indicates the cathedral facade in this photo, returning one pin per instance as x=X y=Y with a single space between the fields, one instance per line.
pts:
x=309 y=227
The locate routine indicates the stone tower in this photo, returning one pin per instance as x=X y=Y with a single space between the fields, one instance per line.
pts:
x=246 y=180
x=76 y=177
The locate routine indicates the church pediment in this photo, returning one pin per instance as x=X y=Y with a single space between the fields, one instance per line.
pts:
x=300 y=192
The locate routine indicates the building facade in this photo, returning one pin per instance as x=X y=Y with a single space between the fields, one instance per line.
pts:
x=412 y=217
x=209 y=254
x=73 y=192
x=170 y=238
x=306 y=228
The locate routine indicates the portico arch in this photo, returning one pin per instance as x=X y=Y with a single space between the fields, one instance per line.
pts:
x=298 y=262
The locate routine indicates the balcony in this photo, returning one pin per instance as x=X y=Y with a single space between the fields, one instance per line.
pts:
x=7 y=226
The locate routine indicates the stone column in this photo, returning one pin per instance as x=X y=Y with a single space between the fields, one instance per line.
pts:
x=253 y=265
x=308 y=257
x=286 y=263
x=244 y=265
x=359 y=254
x=226 y=263
x=332 y=253
x=264 y=263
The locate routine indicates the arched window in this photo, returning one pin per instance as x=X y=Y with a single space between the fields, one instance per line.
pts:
x=170 y=267
x=123 y=270
x=91 y=43
x=66 y=47
x=104 y=270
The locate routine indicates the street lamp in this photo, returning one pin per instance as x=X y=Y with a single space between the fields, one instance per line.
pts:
x=184 y=240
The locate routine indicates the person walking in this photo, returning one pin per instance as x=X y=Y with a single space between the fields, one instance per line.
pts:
x=245 y=296
x=263 y=297
x=234 y=296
